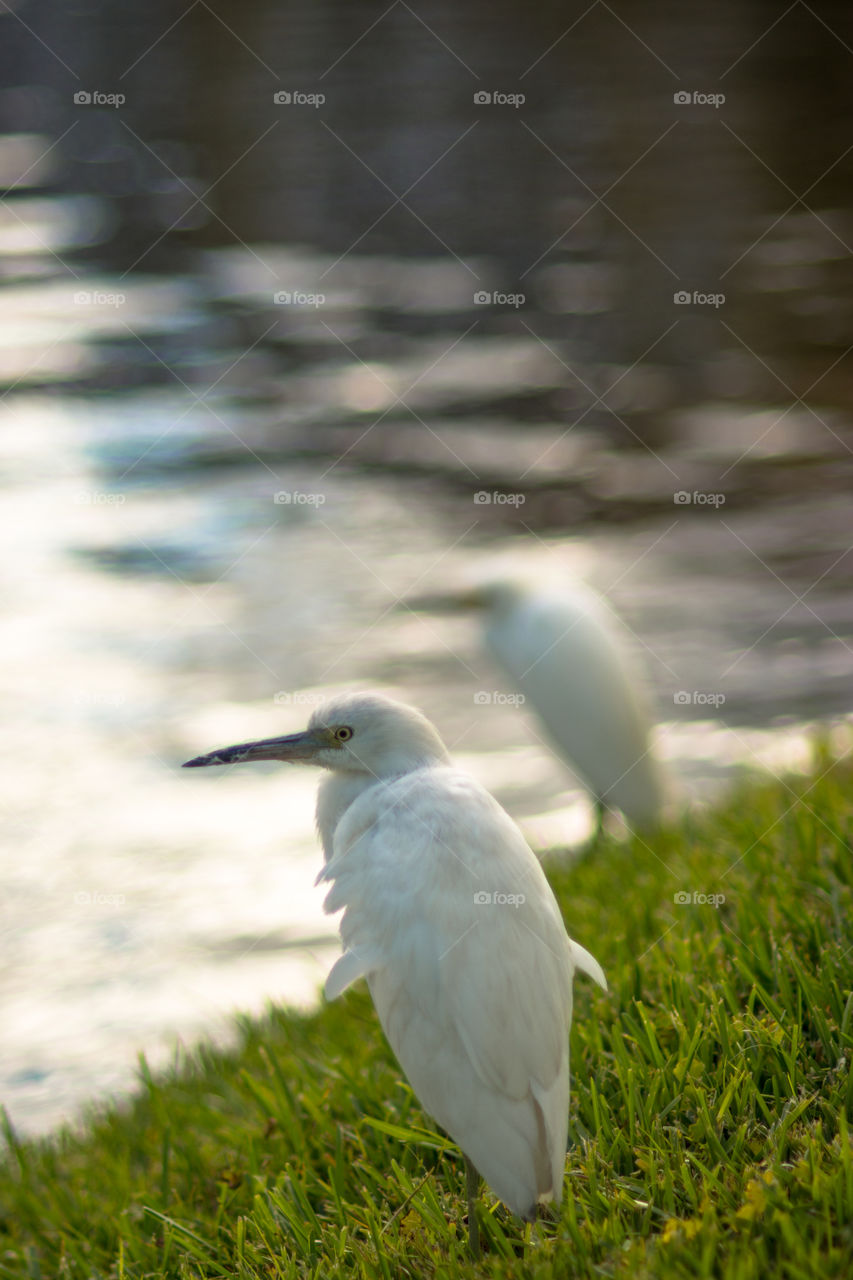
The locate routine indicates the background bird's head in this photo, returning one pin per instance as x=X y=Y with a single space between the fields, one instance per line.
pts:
x=490 y=593
x=353 y=733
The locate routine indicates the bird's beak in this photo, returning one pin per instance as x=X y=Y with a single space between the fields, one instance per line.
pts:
x=438 y=602
x=294 y=747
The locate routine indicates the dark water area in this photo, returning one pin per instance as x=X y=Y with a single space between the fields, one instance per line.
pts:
x=588 y=183
x=308 y=308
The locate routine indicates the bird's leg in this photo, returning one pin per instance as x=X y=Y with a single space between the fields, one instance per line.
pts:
x=600 y=815
x=472 y=1188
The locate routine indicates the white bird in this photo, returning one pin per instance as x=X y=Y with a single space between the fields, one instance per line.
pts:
x=564 y=651
x=449 y=917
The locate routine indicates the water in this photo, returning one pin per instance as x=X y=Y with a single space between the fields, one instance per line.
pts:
x=224 y=467
x=162 y=601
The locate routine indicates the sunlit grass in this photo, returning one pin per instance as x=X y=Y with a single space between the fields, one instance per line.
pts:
x=711 y=1103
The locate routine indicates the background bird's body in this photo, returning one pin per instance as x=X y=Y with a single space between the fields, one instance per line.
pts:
x=564 y=651
x=448 y=915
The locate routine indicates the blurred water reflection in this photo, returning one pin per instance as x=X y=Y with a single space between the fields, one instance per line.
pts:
x=220 y=480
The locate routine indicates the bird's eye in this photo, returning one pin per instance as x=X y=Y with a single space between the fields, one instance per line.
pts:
x=343 y=734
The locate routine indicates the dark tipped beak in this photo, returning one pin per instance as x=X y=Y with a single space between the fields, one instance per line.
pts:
x=437 y=602
x=294 y=748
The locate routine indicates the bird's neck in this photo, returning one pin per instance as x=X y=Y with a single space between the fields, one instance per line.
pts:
x=335 y=794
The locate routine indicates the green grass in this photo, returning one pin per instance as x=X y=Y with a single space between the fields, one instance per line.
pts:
x=711 y=1110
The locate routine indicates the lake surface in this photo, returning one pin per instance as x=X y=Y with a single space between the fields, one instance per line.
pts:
x=161 y=601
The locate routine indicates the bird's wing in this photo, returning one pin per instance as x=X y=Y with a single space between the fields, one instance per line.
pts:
x=450 y=914
x=352 y=965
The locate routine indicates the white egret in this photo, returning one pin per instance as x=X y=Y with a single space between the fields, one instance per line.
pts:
x=449 y=917
x=564 y=651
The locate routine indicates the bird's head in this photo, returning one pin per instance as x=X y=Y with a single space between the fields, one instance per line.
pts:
x=353 y=733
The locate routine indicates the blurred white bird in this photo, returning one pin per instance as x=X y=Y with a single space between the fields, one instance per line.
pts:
x=448 y=915
x=564 y=651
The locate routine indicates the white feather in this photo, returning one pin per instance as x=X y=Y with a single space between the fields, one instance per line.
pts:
x=566 y=654
x=470 y=969
x=449 y=916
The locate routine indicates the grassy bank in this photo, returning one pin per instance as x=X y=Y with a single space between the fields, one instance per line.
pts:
x=711 y=1110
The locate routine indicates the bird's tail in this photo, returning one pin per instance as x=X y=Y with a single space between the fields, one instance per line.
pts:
x=588 y=964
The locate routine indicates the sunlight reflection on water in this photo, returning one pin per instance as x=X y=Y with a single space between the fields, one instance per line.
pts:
x=151 y=618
